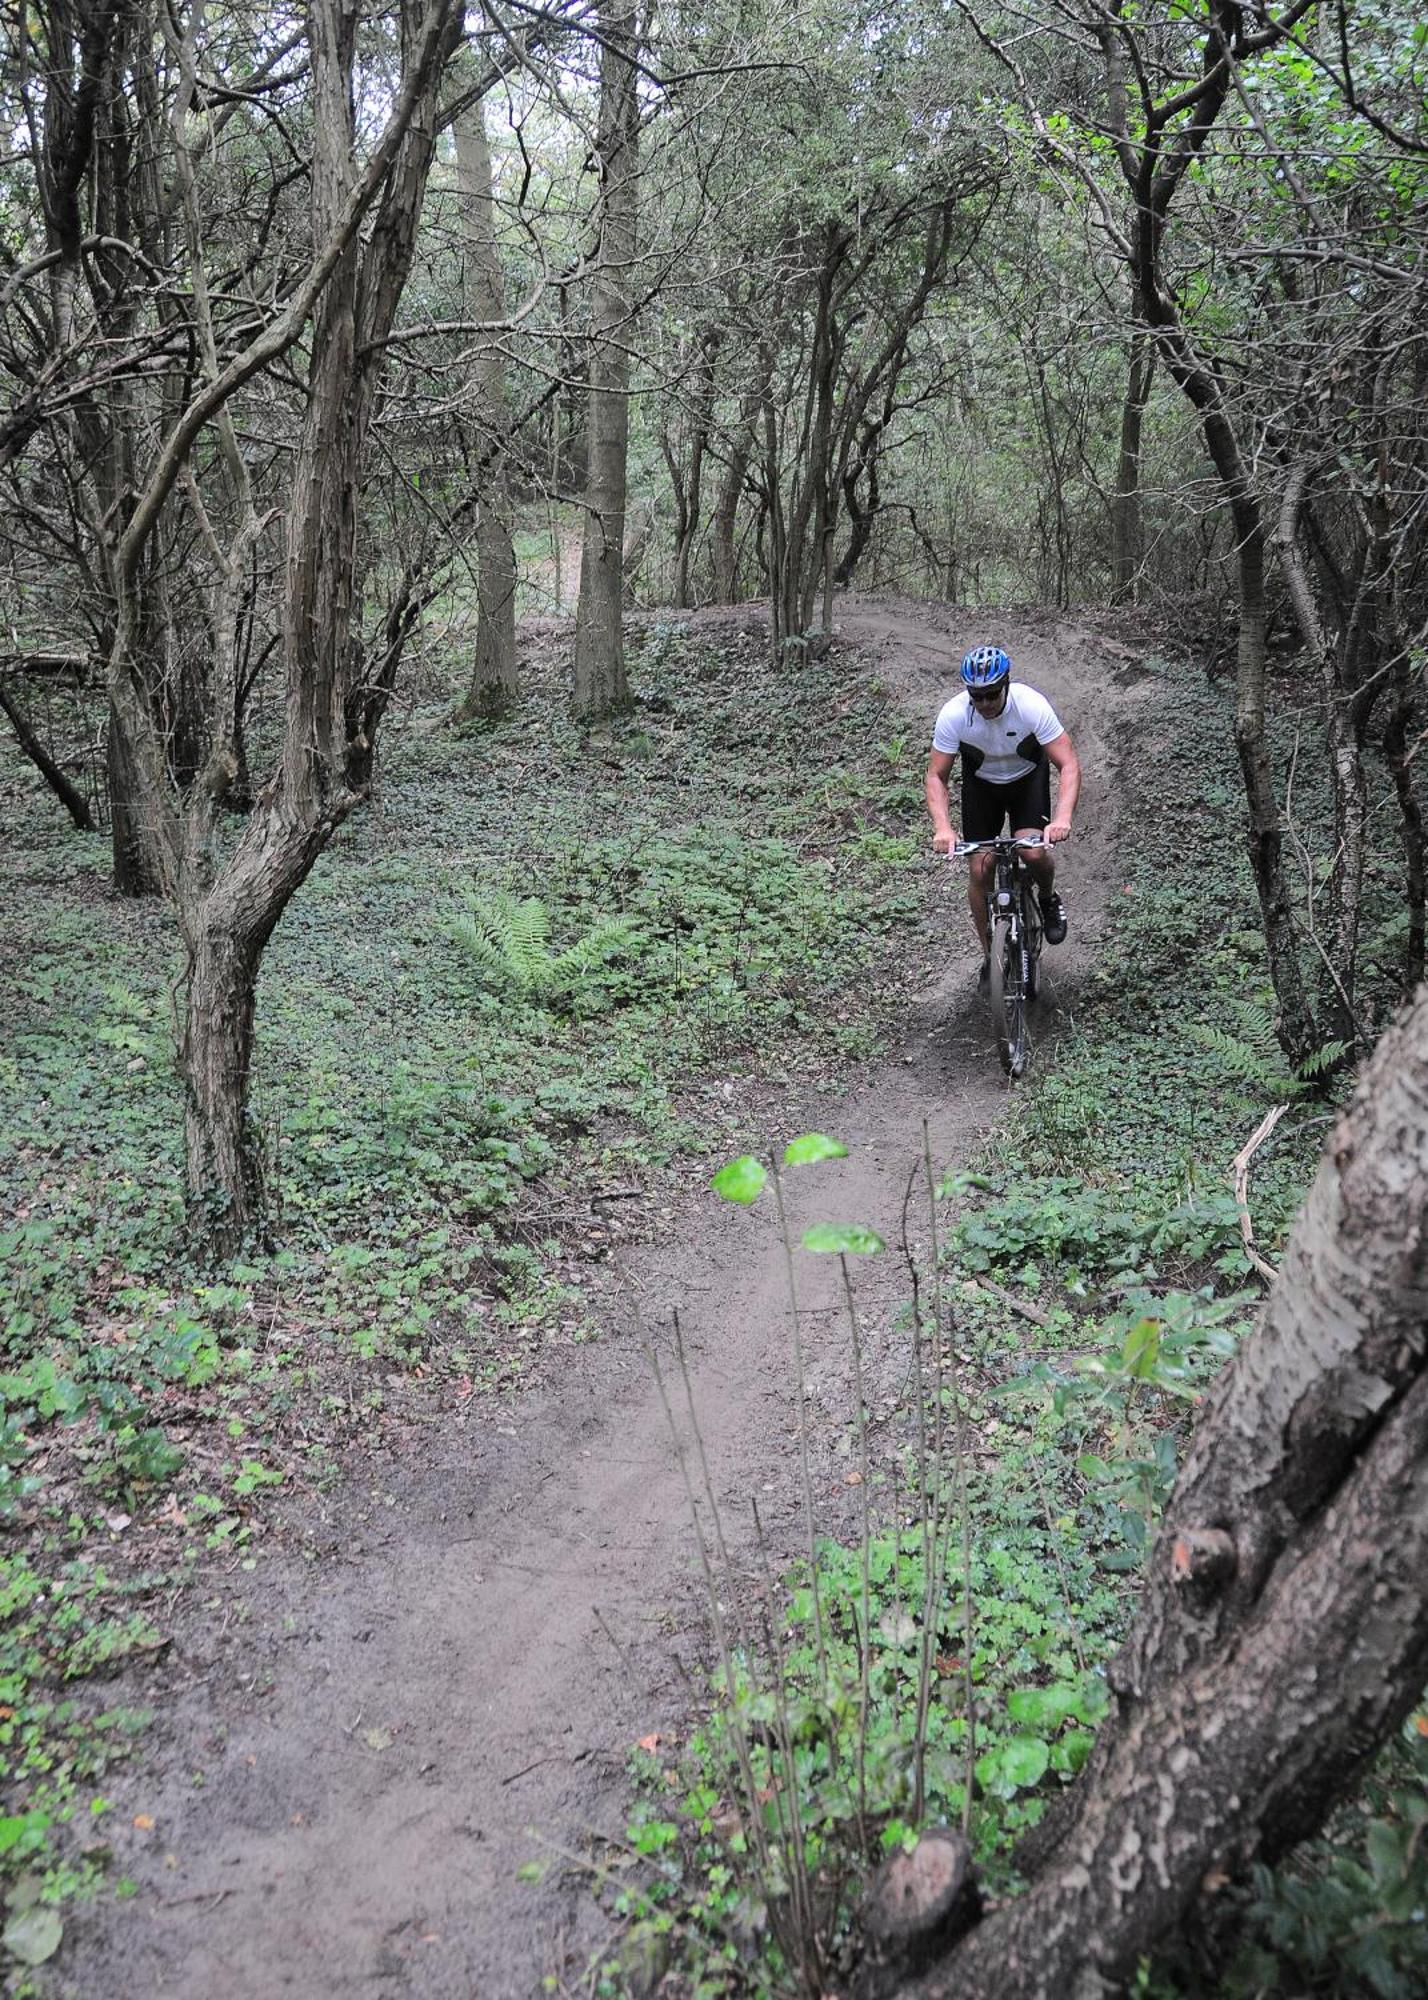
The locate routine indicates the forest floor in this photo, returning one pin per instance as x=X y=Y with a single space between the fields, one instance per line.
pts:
x=439 y=1676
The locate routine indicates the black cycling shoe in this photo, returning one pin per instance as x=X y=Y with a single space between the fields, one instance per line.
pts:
x=984 y=979
x=1053 y=918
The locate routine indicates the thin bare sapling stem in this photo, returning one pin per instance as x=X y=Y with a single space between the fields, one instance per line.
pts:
x=726 y=1658
x=959 y=1453
x=929 y=1497
x=787 y=1802
x=800 y=1384
x=865 y=1649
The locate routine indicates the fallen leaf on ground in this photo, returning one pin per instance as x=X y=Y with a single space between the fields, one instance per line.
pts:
x=650 y=1742
x=377 y=1739
x=144 y=1822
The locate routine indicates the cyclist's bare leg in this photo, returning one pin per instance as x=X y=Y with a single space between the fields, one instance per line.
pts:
x=979 y=882
x=1040 y=861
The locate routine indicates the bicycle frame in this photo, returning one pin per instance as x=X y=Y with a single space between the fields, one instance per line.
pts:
x=1014 y=920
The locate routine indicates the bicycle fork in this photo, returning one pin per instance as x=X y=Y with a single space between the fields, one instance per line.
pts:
x=1007 y=905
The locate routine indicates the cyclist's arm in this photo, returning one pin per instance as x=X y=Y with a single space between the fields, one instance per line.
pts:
x=1062 y=752
x=939 y=802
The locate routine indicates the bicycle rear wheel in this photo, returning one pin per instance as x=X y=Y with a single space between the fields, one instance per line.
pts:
x=1006 y=990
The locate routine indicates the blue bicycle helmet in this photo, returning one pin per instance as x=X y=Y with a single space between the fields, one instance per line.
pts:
x=985 y=667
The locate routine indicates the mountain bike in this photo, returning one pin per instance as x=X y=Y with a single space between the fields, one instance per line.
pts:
x=1014 y=972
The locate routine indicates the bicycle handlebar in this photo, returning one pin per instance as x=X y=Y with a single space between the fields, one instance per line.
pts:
x=1000 y=840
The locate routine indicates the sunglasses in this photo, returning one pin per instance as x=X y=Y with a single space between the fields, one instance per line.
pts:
x=980 y=695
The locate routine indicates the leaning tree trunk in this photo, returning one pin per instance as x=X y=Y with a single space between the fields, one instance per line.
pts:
x=495 y=682
x=601 y=688
x=53 y=773
x=1283 y=1631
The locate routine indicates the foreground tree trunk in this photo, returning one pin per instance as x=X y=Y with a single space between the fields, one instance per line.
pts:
x=1254 y=1688
x=601 y=688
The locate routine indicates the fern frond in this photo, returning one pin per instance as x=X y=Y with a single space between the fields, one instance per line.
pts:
x=1253 y=1056
x=476 y=940
x=505 y=939
x=1326 y=1057
x=524 y=943
x=608 y=935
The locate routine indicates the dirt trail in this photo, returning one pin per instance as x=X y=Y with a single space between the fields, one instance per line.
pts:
x=354 y=1755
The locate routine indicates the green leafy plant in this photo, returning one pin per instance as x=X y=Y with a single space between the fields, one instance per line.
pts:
x=507 y=940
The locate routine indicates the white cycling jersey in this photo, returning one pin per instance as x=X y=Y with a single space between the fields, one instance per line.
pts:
x=1001 y=748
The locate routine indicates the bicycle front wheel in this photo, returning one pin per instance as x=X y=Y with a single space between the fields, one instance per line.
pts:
x=1007 y=992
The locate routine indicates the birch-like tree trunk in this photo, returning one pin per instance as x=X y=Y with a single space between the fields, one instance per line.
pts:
x=495 y=682
x=601 y=686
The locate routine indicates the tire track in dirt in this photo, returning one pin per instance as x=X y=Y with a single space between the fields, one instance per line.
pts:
x=503 y=1607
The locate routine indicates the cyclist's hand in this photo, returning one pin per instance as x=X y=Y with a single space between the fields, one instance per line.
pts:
x=943 y=843
x=1059 y=830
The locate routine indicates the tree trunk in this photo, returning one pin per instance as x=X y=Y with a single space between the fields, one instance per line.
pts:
x=723 y=525
x=136 y=871
x=1153 y=177
x=1410 y=822
x=601 y=688
x=495 y=682
x=68 y=794
x=1127 y=517
x=225 y=1184
x=689 y=493
x=1346 y=762
x=1249 y=1700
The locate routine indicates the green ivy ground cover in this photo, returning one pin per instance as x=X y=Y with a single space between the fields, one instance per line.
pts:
x=739 y=845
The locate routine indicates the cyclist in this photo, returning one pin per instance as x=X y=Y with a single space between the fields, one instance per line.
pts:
x=1008 y=735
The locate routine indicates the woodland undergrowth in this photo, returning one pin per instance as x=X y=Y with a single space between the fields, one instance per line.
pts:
x=942 y=1662
x=505 y=1002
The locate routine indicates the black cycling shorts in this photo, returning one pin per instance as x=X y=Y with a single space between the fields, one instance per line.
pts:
x=1025 y=801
